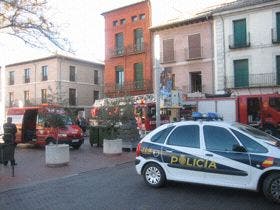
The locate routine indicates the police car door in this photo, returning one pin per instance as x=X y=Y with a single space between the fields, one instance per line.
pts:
x=182 y=154
x=227 y=166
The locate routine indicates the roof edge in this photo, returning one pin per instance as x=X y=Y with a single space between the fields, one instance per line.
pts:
x=54 y=57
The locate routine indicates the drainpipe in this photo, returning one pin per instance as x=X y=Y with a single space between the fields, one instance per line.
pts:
x=35 y=83
x=225 y=72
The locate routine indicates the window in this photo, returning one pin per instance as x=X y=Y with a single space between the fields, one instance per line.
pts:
x=241 y=73
x=119 y=76
x=44 y=95
x=11 y=78
x=123 y=21
x=218 y=139
x=138 y=75
x=276 y=32
x=115 y=23
x=134 y=18
x=278 y=26
x=194 y=43
x=196 y=85
x=168 y=50
x=239 y=33
x=138 y=40
x=26 y=75
x=274 y=102
x=95 y=95
x=26 y=97
x=96 y=77
x=186 y=136
x=249 y=144
x=142 y=16
x=11 y=99
x=161 y=136
x=72 y=97
x=72 y=74
x=119 y=44
x=44 y=73
x=278 y=68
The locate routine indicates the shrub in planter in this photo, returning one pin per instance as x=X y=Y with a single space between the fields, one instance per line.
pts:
x=117 y=119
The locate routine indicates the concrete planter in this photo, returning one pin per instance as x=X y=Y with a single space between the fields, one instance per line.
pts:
x=57 y=155
x=112 y=146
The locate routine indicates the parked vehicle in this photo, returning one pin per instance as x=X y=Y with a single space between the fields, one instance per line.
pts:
x=213 y=153
x=145 y=114
x=34 y=126
x=260 y=111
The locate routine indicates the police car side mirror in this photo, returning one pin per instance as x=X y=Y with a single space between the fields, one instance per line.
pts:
x=238 y=148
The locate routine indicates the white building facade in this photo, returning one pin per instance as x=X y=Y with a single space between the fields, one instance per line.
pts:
x=247 y=47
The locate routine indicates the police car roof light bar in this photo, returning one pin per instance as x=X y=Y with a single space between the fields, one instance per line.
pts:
x=209 y=116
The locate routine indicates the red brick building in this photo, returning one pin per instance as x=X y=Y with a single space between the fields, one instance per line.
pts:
x=128 y=68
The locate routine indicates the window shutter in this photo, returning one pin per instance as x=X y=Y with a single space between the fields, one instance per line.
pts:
x=194 y=46
x=241 y=73
x=168 y=50
x=278 y=69
x=240 y=33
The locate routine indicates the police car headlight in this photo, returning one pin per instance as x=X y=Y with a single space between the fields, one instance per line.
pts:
x=62 y=135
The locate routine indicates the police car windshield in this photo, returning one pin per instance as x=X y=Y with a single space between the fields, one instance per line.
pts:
x=257 y=134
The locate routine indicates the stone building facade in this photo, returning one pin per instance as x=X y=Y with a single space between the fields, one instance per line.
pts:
x=57 y=79
x=246 y=47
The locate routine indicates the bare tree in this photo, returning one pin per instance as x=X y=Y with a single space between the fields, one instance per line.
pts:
x=28 y=21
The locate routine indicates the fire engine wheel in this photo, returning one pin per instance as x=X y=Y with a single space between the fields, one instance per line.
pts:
x=154 y=175
x=271 y=187
x=50 y=140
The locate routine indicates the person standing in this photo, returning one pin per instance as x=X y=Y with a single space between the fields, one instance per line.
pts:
x=10 y=131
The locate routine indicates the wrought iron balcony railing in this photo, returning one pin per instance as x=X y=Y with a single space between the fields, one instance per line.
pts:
x=275 y=35
x=243 y=42
x=145 y=86
x=116 y=52
x=167 y=56
x=253 y=80
x=193 y=53
x=137 y=48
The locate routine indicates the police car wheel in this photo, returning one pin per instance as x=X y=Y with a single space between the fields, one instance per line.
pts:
x=154 y=175
x=271 y=187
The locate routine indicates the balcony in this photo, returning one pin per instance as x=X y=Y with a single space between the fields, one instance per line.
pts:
x=117 y=52
x=136 y=48
x=193 y=53
x=275 y=36
x=128 y=88
x=254 y=80
x=26 y=79
x=167 y=56
x=44 y=78
x=243 y=42
x=11 y=81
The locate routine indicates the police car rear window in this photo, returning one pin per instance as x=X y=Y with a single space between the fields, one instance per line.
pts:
x=161 y=136
x=250 y=144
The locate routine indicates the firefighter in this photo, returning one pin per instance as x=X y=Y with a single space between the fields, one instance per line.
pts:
x=10 y=130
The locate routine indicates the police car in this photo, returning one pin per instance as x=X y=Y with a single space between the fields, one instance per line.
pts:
x=213 y=153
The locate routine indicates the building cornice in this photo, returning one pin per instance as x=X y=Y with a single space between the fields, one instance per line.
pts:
x=56 y=57
x=189 y=21
x=124 y=7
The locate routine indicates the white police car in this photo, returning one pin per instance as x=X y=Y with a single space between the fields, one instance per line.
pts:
x=214 y=153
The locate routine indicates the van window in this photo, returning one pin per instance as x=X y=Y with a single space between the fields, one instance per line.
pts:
x=274 y=102
x=16 y=119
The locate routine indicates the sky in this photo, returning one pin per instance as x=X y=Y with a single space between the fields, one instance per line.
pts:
x=82 y=23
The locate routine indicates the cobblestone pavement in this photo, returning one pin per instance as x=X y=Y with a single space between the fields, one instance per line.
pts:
x=31 y=168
